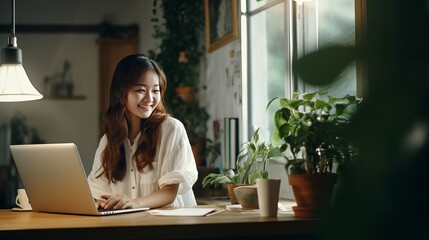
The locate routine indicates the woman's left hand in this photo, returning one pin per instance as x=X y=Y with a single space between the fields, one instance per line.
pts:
x=117 y=201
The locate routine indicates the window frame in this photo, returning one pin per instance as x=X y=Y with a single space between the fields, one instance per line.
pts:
x=292 y=82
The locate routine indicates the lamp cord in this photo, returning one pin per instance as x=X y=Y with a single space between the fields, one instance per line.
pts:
x=13 y=17
x=12 y=37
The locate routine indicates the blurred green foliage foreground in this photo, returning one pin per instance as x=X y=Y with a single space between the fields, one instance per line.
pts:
x=386 y=196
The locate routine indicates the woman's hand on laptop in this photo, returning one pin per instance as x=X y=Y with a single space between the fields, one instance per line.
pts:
x=115 y=201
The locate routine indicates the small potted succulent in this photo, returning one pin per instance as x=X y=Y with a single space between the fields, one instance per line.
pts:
x=310 y=126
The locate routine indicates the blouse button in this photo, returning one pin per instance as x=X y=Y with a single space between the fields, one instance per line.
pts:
x=134 y=187
x=132 y=169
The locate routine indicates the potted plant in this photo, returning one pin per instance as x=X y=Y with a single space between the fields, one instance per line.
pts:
x=252 y=162
x=310 y=128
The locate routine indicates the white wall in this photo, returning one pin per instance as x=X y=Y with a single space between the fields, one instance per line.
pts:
x=223 y=96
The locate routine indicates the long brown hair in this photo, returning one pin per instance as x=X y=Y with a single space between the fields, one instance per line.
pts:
x=115 y=123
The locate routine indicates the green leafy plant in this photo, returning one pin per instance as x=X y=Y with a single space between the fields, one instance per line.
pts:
x=179 y=51
x=252 y=162
x=311 y=127
x=180 y=32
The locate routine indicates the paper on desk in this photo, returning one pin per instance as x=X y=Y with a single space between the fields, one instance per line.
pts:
x=237 y=207
x=184 y=212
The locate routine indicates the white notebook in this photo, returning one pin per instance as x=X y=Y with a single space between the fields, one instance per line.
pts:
x=185 y=212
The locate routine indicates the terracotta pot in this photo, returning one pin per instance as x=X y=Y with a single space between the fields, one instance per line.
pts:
x=197 y=155
x=312 y=193
x=198 y=147
x=186 y=93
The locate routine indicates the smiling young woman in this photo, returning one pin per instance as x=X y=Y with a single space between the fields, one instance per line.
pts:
x=144 y=158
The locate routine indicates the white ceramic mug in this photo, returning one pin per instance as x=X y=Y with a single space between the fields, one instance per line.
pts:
x=22 y=199
x=268 y=196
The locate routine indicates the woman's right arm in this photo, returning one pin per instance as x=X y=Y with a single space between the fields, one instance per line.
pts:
x=159 y=198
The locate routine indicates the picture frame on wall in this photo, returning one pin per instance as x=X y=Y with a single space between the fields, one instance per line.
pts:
x=221 y=23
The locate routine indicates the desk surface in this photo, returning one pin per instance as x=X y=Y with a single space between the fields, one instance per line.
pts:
x=142 y=225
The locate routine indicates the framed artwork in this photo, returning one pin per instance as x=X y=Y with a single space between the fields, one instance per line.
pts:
x=221 y=22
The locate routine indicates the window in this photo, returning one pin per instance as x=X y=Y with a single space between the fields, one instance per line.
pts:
x=277 y=31
x=321 y=23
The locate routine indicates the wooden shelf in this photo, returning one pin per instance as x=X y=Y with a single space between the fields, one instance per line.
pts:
x=78 y=97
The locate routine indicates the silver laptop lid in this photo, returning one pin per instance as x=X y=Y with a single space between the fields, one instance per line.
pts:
x=54 y=178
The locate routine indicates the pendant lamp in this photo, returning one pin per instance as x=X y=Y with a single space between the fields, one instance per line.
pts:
x=14 y=83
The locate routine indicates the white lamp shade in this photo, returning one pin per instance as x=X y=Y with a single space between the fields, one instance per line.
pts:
x=15 y=85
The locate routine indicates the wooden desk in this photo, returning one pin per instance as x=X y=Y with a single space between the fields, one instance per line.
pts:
x=142 y=225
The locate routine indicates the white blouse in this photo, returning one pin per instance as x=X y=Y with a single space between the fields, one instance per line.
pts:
x=174 y=163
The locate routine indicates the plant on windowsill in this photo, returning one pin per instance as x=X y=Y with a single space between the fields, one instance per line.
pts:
x=311 y=127
x=252 y=163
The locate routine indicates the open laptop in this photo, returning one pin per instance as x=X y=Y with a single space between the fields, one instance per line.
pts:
x=55 y=180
